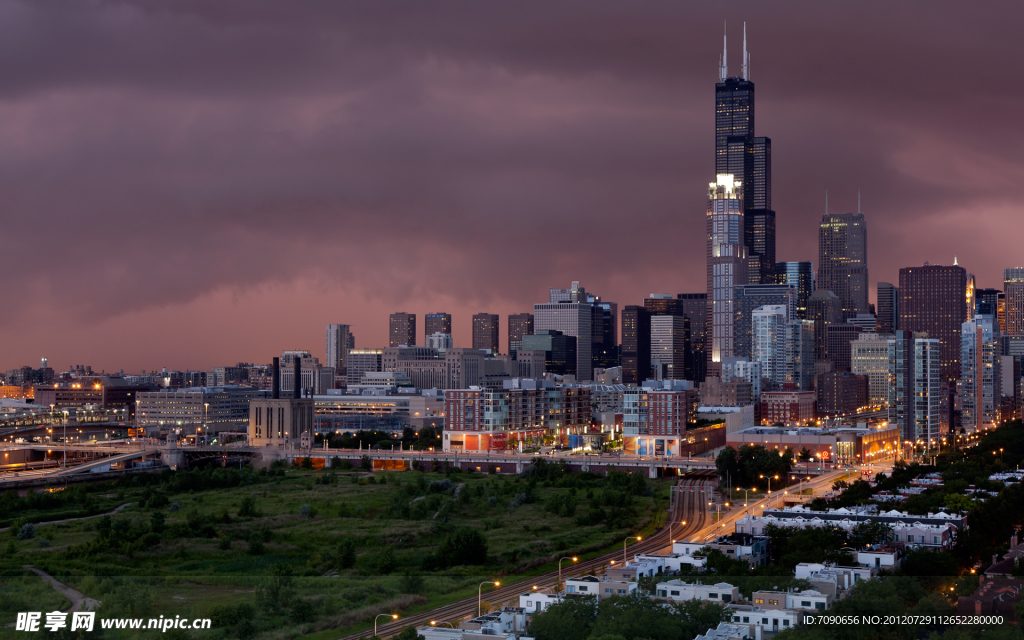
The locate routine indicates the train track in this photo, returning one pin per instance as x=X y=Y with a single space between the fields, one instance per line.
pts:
x=688 y=505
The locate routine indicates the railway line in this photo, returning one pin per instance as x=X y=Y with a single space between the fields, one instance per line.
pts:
x=688 y=504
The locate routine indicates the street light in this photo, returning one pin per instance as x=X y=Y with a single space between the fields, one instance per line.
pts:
x=392 y=615
x=560 y=567
x=435 y=622
x=770 y=487
x=480 y=595
x=637 y=538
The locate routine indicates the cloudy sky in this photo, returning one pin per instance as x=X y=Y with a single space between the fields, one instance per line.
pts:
x=193 y=184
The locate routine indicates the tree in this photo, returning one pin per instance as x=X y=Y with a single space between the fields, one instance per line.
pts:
x=346 y=553
x=386 y=560
x=366 y=463
x=276 y=591
x=463 y=546
x=570 y=619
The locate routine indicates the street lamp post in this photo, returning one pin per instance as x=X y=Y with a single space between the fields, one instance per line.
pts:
x=391 y=615
x=480 y=595
x=770 y=488
x=560 y=567
x=65 y=460
x=637 y=538
x=435 y=623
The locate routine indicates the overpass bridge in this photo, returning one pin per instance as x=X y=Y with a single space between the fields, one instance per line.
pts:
x=93 y=457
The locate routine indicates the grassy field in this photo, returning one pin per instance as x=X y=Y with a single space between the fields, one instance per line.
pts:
x=294 y=552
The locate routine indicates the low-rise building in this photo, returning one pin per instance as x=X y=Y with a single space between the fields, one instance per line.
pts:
x=199 y=410
x=994 y=597
x=880 y=557
x=536 y=601
x=831 y=579
x=808 y=600
x=844 y=445
x=737 y=546
x=674 y=562
x=726 y=631
x=507 y=624
x=788 y=408
x=603 y=587
x=679 y=591
x=932 y=531
x=764 y=621
x=645 y=566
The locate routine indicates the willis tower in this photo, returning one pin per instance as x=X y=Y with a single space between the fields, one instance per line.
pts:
x=749 y=159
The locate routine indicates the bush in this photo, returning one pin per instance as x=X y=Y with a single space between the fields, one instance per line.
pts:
x=42 y=542
x=346 y=554
x=27 y=531
x=412 y=583
x=386 y=561
x=248 y=508
x=463 y=546
x=365 y=463
x=302 y=610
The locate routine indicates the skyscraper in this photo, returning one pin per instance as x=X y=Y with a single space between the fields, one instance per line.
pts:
x=485 y=332
x=750 y=297
x=825 y=309
x=1013 y=290
x=439 y=322
x=726 y=259
x=980 y=393
x=933 y=299
x=604 y=327
x=799 y=275
x=986 y=302
x=888 y=307
x=914 y=387
x=339 y=341
x=769 y=342
x=800 y=353
x=402 y=329
x=843 y=260
x=670 y=344
x=519 y=325
x=636 y=344
x=569 y=312
x=695 y=307
x=667 y=305
x=749 y=160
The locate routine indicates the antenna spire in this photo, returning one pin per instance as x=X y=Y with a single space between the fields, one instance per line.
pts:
x=723 y=64
x=746 y=56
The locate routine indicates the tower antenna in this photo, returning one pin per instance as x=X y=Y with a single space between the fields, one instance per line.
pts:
x=746 y=57
x=723 y=66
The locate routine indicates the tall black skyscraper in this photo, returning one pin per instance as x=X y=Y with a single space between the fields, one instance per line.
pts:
x=749 y=159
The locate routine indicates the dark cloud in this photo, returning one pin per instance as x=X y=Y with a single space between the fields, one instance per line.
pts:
x=173 y=172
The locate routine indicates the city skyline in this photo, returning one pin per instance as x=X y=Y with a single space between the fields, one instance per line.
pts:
x=233 y=204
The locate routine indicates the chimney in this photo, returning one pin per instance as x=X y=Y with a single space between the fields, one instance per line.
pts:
x=995 y=558
x=297 y=366
x=275 y=392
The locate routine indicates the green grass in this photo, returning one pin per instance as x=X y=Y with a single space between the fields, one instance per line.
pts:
x=192 y=576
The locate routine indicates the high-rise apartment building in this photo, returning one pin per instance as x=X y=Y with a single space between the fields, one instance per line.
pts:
x=843 y=260
x=837 y=344
x=339 y=341
x=980 y=392
x=840 y=393
x=569 y=312
x=738 y=152
x=485 y=332
x=869 y=356
x=799 y=275
x=933 y=299
x=440 y=341
x=670 y=344
x=726 y=260
x=824 y=309
x=769 y=342
x=519 y=325
x=604 y=331
x=667 y=305
x=888 y=308
x=439 y=322
x=636 y=345
x=695 y=307
x=1013 y=292
x=749 y=297
x=402 y=329
x=914 y=386
x=800 y=353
